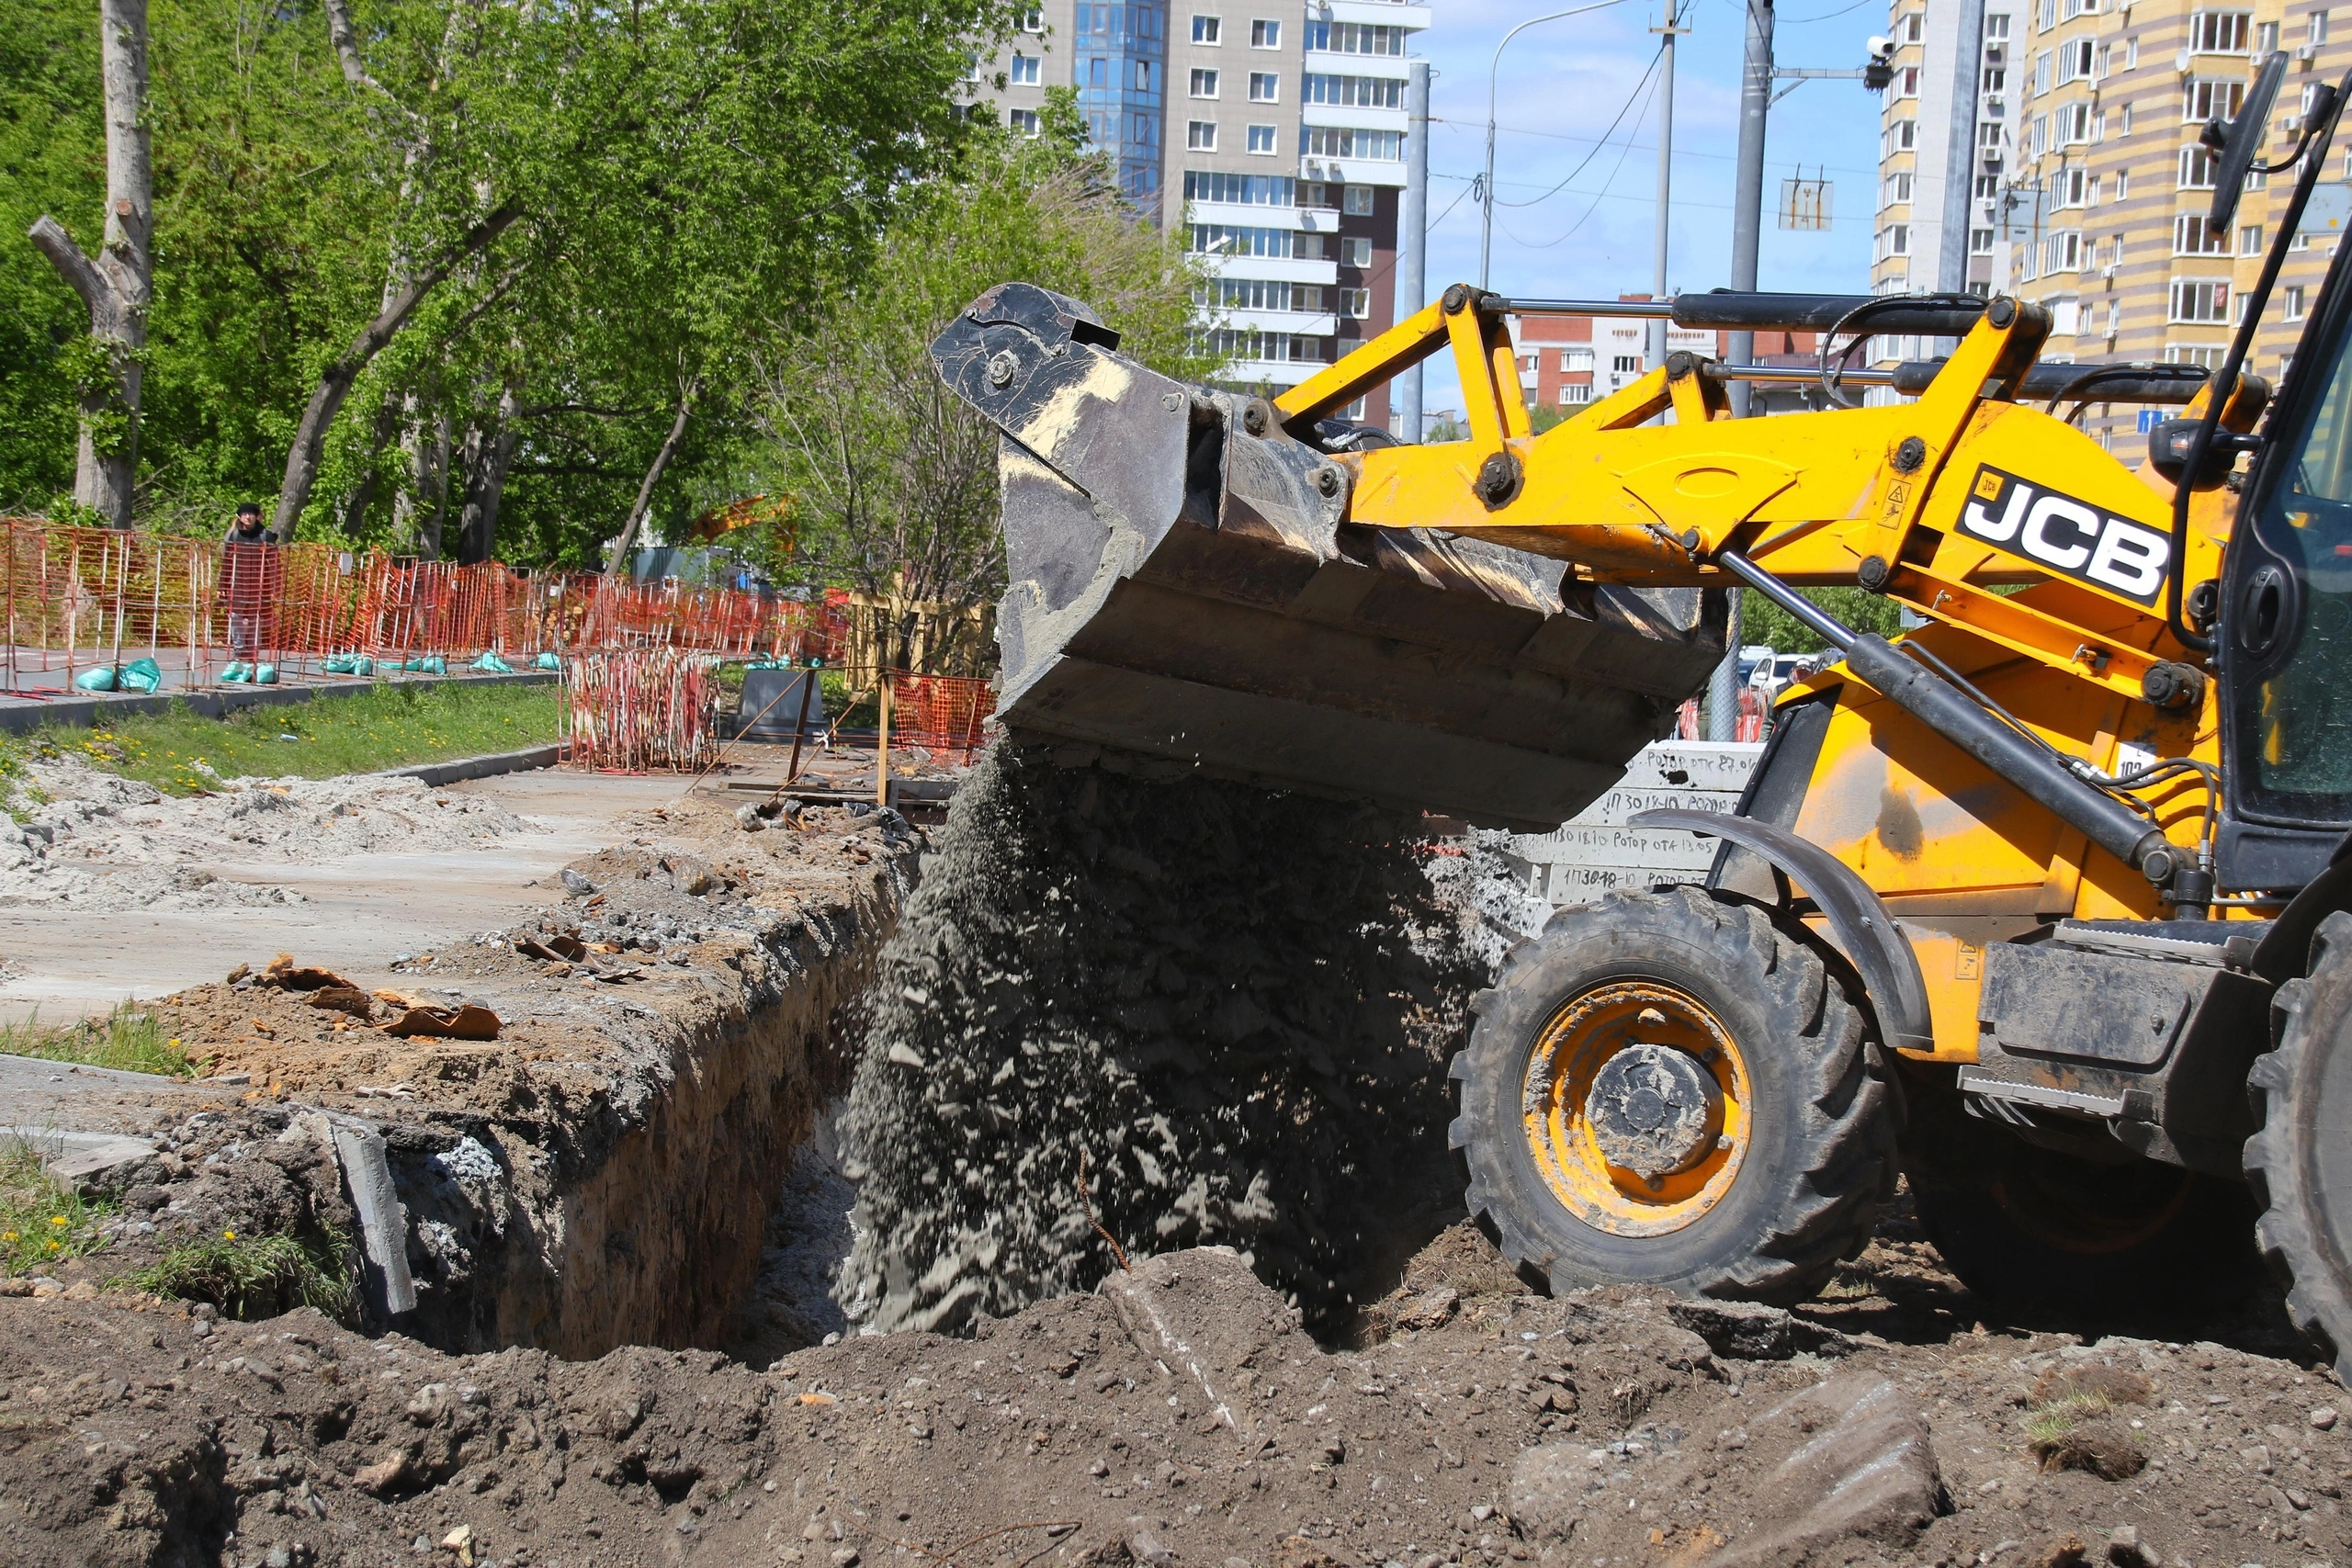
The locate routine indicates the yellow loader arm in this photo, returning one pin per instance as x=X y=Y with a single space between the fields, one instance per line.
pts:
x=1934 y=502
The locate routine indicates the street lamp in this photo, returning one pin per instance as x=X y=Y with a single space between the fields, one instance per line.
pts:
x=1486 y=208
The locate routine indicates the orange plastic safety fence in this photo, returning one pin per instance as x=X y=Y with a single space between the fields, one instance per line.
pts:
x=77 y=597
x=939 y=713
x=644 y=710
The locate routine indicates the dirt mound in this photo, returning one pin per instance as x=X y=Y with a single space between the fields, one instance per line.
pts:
x=1226 y=1012
x=97 y=841
x=1181 y=1416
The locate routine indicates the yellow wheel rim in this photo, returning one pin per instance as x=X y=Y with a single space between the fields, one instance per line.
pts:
x=1616 y=1160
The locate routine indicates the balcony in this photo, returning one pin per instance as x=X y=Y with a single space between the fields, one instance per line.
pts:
x=1354 y=116
x=1380 y=13
x=1282 y=269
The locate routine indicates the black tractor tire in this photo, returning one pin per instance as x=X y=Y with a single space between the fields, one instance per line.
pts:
x=1821 y=1120
x=2299 y=1162
x=2037 y=1232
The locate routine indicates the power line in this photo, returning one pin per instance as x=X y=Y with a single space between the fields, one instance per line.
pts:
x=1679 y=153
x=1605 y=135
x=1625 y=152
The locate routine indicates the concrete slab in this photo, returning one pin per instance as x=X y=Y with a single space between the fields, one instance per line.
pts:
x=360 y=912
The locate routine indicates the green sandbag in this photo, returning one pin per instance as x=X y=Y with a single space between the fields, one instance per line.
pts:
x=264 y=674
x=98 y=679
x=549 y=661
x=238 y=672
x=142 y=675
x=490 y=664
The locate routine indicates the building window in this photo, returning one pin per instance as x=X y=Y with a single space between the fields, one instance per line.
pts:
x=2073 y=187
x=1025 y=70
x=2104 y=65
x=2315 y=28
x=2196 y=169
x=2074 y=8
x=2045 y=15
x=2207 y=97
x=2063 y=252
x=1911 y=28
x=1995 y=79
x=1262 y=138
x=1997 y=27
x=2193 y=353
x=1626 y=364
x=2123 y=121
x=1143 y=75
x=1033 y=20
x=1574 y=393
x=1988 y=187
x=1204 y=84
x=2073 y=60
x=1980 y=241
x=2266 y=37
x=2074 y=124
x=2291 y=303
x=1353 y=92
x=1356 y=304
x=1200 y=135
x=1575 y=360
x=1354 y=38
x=2041 y=142
x=1346 y=141
x=2041 y=70
x=2122 y=184
x=1239 y=190
x=1355 y=250
x=2191 y=238
x=1989 y=136
x=1234 y=240
x=1265 y=88
x=1894 y=240
x=1098 y=73
x=1906 y=82
x=1902 y=136
x=1206 y=29
x=2219 y=32
x=2114 y=315
x=1357 y=201
x=2200 y=301
x=1265 y=34
x=1893 y=189
x=1021 y=122
x=2249 y=239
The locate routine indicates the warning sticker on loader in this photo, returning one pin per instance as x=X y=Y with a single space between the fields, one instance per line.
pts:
x=2066 y=535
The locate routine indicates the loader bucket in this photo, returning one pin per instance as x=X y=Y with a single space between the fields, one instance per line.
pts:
x=1181 y=587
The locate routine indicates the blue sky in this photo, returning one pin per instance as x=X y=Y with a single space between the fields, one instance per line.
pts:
x=1561 y=86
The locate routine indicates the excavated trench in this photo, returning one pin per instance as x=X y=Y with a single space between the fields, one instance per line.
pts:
x=1119 y=1013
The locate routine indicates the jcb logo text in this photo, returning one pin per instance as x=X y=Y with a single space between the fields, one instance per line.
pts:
x=2066 y=535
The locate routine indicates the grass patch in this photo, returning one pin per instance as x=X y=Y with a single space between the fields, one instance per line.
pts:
x=42 y=1225
x=2049 y=1425
x=129 y=1038
x=397 y=724
x=255 y=1276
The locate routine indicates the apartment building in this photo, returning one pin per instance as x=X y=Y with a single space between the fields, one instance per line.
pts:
x=2090 y=195
x=1273 y=133
x=1944 y=140
x=1566 y=362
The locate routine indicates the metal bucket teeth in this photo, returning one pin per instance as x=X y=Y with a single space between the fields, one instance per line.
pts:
x=1185 y=590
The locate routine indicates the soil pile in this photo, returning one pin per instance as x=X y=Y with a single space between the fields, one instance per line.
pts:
x=1207 y=1013
x=1181 y=1416
x=100 y=841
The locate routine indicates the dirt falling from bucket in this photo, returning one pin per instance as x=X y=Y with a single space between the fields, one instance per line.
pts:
x=1236 y=1006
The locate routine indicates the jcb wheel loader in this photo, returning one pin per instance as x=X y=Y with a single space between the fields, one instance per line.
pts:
x=2047 y=903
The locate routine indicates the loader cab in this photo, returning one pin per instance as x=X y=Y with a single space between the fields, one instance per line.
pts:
x=2284 y=621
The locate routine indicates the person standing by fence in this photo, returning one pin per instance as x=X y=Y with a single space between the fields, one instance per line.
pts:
x=250 y=574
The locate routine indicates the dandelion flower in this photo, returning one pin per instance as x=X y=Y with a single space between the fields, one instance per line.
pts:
x=7 y=1236
x=57 y=1219
x=228 y=1235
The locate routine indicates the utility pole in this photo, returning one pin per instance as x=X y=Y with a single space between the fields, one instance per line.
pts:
x=1665 y=176
x=1746 y=235
x=1413 y=236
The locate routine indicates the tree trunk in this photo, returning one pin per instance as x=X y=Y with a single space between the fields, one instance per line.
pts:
x=489 y=459
x=335 y=381
x=621 y=547
x=118 y=283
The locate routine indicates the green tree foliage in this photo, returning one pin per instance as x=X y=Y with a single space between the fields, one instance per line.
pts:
x=690 y=178
x=893 y=479
x=1761 y=621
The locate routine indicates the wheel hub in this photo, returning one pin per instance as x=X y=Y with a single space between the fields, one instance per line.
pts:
x=1654 y=1110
